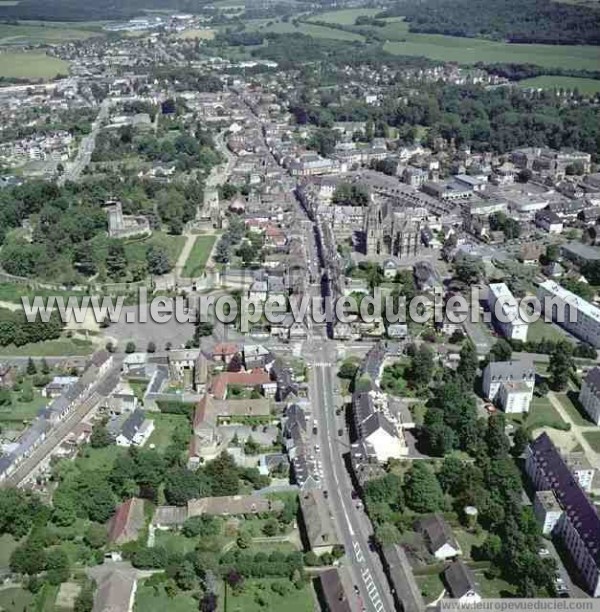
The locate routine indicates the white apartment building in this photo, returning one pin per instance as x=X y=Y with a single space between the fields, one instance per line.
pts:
x=514 y=397
x=589 y=396
x=505 y=311
x=510 y=384
x=571 y=312
x=579 y=524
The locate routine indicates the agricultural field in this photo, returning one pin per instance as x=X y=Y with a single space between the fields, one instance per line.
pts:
x=317 y=31
x=26 y=65
x=196 y=34
x=345 y=17
x=584 y=86
x=473 y=50
x=28 y=34
x=196 y=261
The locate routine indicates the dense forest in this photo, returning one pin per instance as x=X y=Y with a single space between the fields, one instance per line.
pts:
x=498 y=119
x=76 y=10
x=518 y=21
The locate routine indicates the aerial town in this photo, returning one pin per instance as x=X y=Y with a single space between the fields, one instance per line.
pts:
x=348 y=465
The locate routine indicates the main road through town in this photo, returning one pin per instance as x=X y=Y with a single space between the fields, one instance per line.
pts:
x=352 y=524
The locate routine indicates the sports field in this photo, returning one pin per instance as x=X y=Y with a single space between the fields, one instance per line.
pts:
x=584 y=86
x=25 y=65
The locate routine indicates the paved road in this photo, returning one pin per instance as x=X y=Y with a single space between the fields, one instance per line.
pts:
x=364 y=565
x=31 y=466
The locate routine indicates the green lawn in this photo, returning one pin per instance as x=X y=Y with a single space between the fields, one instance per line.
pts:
x=99 y=459
x=543 y=414
x=50 y=348
x=175 y=542
x=344 y=17
x=12 y=292
x=154 y=599
x=593 y=439
x=196 y=261
x=15 y=599
x=257 y=592
x=540 y=330
x=164 y=426
x=136 y=250
x=494 y=587
x=573 y=407
x=467 y=540
x=31 y=65
x=7 y=545
x=22 y=411
x=27 y=34
x=431 y=586
x=585 y=86
x=473 y=50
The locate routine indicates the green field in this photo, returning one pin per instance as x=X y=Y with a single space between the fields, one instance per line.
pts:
x=136 y=249
x=584 y=86
x=540 y=330
x=196 y=261
x=473 y=50
x=22 y=411
x=571 y=404
x=155 y=599
x=164 y=426
x=317 y=31
x=28 y=34
x=50 y=348
x=344 y=17
x=31 y=66
x=256 y=592
x=15 y=598
x=543 y=414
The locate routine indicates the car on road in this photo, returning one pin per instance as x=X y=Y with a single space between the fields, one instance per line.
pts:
x=543 y=552
x=340 y=432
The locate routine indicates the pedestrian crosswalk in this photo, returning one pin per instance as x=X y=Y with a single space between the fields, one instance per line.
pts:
x=372 y=590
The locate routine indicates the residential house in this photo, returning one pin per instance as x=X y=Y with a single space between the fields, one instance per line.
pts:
x=439 y=537
x=461 y=583
x=405 y=590
x=549 y=221
x=331 y=591
x=377 y=429
x=319 y=529
x=116 y=585
x=127 y=522
x=135 y=430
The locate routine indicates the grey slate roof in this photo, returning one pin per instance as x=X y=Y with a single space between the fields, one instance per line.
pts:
x=460 y=579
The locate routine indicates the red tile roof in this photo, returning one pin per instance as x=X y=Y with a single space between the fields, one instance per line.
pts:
x=224 y=349
x=253 y=378
x=126 y=522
